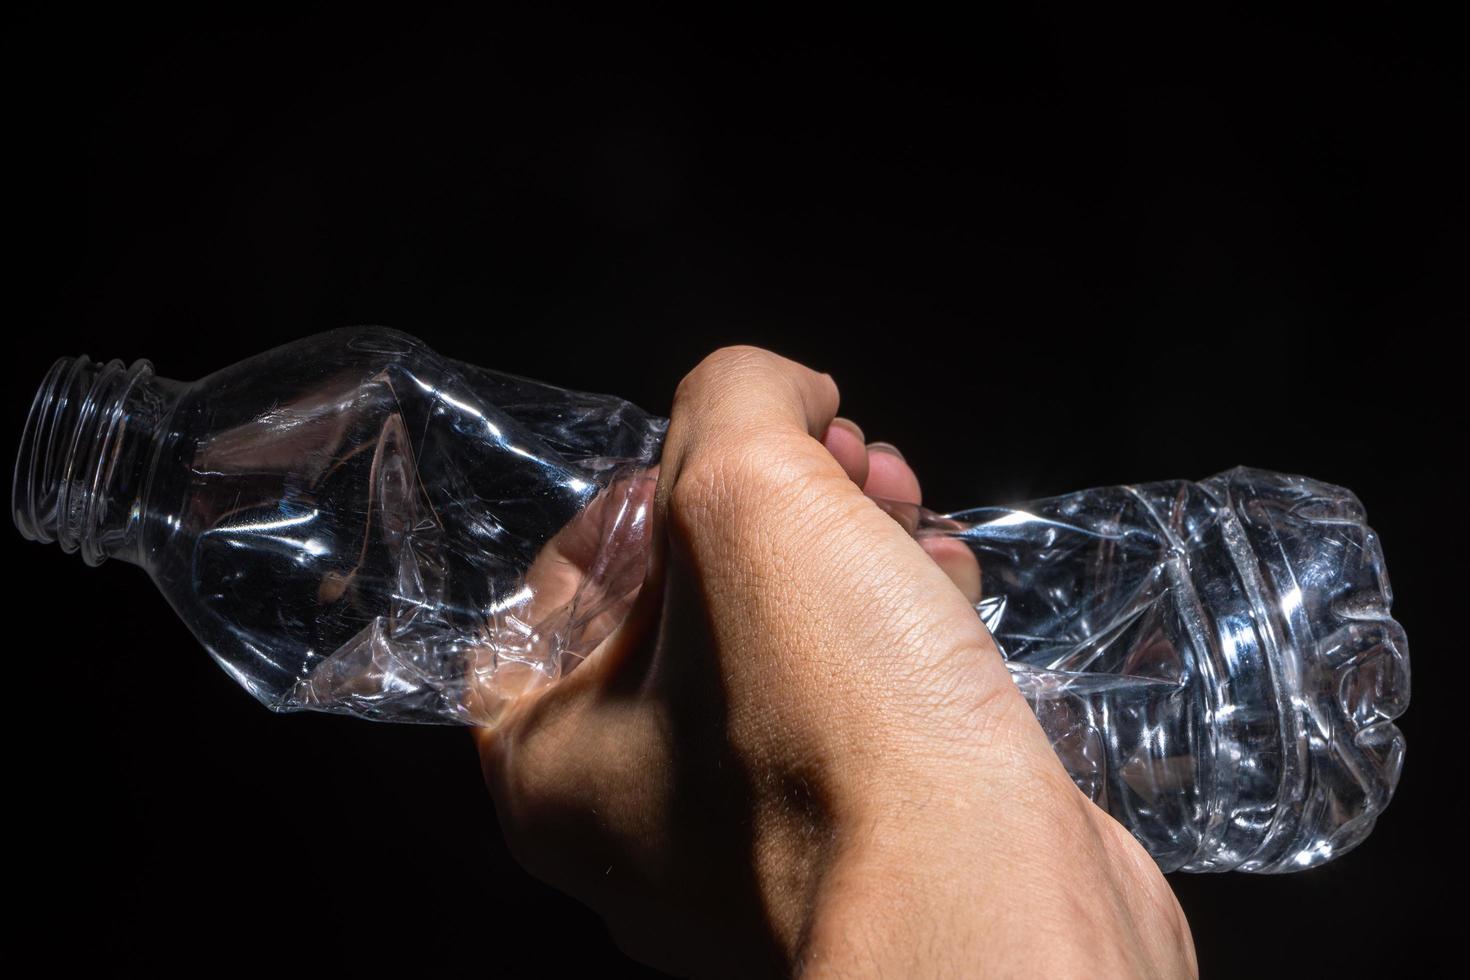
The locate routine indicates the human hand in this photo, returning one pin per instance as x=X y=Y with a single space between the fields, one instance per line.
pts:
x=801 y=751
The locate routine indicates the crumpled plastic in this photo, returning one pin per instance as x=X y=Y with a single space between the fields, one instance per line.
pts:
x=355 y=524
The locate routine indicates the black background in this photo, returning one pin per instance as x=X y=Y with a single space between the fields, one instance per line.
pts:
x=1037 y=252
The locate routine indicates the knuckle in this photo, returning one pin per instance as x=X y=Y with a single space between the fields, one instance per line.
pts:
x=720 y=365
x=742 y=472
x=709 y=484
x=738 y=356
x=736 y=388
x=693 y=492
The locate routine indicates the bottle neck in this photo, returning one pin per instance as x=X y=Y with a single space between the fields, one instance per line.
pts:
x=81 y=475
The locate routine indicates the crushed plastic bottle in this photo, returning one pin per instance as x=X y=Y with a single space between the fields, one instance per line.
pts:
x=353 y=523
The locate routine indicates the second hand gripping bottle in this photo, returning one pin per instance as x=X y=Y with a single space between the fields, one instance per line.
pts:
x=353 y=523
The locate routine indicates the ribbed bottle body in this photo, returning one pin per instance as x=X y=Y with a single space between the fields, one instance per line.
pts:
x=1214 y=662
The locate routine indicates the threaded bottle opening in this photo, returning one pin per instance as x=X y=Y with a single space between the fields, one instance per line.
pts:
x=70 y=453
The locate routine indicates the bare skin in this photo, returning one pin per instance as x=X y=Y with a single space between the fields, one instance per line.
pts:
x=802 y=754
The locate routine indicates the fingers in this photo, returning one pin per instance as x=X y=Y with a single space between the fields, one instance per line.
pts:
x=890 y=477
x=579 y=589
x=740 y=391
x=880 y=469
x=760 y=483
x=755 y=387
x=958 y=562
x=844 y=440
x=746 y=423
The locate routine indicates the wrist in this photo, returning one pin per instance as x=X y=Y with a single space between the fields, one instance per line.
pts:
x=960 y=873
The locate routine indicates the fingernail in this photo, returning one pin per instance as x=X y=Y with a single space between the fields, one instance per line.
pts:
x=884 y=447
x=850 y=426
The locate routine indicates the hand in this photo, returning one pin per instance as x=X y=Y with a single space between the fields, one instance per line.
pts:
x=801 y=752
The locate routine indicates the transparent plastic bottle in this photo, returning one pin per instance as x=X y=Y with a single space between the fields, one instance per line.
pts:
x=353 y=523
